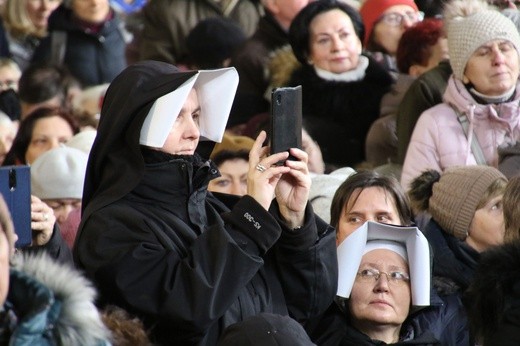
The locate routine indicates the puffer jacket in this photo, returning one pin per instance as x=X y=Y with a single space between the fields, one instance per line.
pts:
x=92 y=57
x=439 y=141
x=49 y=304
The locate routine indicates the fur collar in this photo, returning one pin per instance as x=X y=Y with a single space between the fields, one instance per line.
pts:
x=78 y=321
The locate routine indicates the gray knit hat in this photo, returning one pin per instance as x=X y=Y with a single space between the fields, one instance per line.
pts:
x=466 y=34
x=59 y=173
x=456 y=195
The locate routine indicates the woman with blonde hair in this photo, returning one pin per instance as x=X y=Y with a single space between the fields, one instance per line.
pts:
x=26 y=24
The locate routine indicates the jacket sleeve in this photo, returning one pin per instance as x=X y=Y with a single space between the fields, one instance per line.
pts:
x=307 y=264
x=422 y=152
x=56 y=248
x=153 y=265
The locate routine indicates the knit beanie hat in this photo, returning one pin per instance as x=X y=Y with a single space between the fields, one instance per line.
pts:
x=371 y=10
x=456 y=195
x=59 y=173
x=467 y=33
x=83 y=140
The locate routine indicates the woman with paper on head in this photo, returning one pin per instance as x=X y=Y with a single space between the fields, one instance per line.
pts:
x=399 y=307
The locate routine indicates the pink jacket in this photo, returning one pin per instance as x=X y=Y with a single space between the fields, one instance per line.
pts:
x=439 y=141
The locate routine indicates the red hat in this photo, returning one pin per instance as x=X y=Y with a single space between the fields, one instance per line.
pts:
x=371 y=10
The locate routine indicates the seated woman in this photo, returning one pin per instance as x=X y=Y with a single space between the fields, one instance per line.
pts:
x=480 y=109
x=370 y=196
x=26 y=24
x=465 y=204
x=342 y=88
x=231 y=156
x=43 y=130
x=385 y=22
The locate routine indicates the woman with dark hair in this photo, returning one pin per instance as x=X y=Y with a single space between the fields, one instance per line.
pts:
x=342 y=88
x=40 y=131
x=368 y=196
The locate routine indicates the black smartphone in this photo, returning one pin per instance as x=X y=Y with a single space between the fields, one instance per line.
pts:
x=286 y=120
x=15 y=187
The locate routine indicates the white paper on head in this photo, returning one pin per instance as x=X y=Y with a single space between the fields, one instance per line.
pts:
x=215 y=90
x=350 y=252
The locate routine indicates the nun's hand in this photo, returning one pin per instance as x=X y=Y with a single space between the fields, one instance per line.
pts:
x=292 y=191
x=263 y=174
x=42 y=222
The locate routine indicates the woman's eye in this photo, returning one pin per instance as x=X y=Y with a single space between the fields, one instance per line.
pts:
x=39 y=141
x=222 y=183
x=323 y=40
x=354 y=219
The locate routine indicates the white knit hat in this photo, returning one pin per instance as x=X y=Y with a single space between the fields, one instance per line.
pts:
x=467 y=33
x=59 y=173
x=82 y=140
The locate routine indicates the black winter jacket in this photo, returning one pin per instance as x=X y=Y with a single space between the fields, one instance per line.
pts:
x=158 y=243
x=338 y=114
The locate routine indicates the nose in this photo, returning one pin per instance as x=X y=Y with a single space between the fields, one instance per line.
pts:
x=381 y=284
x=498 y=56
x=54 y=143
x=192 y=129
x=237 y=188
x=407 y=22
x=337 y=43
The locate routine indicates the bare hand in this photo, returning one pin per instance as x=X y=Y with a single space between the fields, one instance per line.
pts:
x=42 y=222
x=263 y=175
x=292 y=191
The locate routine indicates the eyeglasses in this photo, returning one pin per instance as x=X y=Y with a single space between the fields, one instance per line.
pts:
x=396 y=19
x=373 y=275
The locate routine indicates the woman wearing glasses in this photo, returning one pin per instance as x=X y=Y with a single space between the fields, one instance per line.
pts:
x=385 y=22
x=342 y=88
x=380 y=305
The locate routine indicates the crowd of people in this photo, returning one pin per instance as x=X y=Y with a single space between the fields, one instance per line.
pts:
x=160 y=216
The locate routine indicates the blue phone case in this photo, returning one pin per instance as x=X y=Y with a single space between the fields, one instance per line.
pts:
x=15 y=187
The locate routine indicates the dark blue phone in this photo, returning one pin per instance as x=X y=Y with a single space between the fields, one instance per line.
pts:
x=15 y=187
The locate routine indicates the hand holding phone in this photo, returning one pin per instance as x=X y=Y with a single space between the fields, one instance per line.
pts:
x=286 y=120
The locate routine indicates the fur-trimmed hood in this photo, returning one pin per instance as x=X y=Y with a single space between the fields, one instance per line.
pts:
x=65 y=302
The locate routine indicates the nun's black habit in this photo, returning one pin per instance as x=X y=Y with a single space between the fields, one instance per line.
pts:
x=157 y=243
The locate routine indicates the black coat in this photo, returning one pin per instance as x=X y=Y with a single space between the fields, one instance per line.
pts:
x=454 y=262
x=93 y=58
x=338 y=114
x=158 y=243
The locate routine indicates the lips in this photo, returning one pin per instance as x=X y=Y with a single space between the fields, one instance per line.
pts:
x=380 y=302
